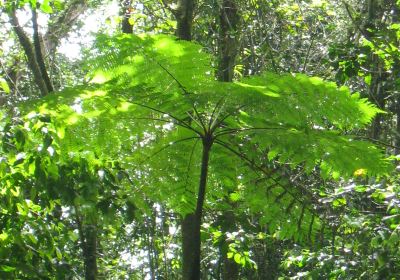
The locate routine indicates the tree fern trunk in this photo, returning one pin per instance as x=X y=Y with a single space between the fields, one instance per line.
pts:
x=191 y=223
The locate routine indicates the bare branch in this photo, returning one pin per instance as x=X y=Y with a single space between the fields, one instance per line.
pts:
x=29 y=52
x=38 y=51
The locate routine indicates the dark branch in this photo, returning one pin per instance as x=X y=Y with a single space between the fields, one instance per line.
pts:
x=39 y=53
x=299 y=222
x=378 y=142
x=280 y=196
x=29 y=52
x=310 y=228
x=289 y=208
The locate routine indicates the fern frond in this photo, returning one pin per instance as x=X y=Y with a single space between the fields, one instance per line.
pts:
x=149 y=91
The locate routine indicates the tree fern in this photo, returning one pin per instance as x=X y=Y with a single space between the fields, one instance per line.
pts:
x=153 y=98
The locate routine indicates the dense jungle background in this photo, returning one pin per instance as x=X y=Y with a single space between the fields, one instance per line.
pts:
x=199 y=139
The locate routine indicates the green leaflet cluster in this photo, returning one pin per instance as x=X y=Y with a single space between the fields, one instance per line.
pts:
x=152 y=97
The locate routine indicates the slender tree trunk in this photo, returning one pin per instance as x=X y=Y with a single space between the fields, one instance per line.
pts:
x=396 y=67
x=230 y=269
x=164 y=231
x=125 y=12
x=228 y=45
x=12 y=76
x=376 y=89
x=88 y=244
x=90 y=258
x=30 y=53
x=39 y=52
x=184 y=18
x=57 y=29
x=150 y=249
x=192 y=222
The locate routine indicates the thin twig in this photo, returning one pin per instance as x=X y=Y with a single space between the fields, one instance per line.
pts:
x=308 y=53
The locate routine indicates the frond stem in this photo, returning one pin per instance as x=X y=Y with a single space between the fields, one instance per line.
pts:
x=251 y=164
x=171 y=144
x=178 y=120
x=212 y=118
x=239 y=130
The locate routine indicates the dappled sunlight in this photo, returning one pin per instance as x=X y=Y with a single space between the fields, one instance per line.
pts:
x=250 y=153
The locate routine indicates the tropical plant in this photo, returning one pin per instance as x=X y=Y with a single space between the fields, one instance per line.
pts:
x=155 y=105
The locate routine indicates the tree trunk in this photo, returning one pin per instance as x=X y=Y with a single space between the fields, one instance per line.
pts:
x=90 y=254
x=376 y=88
x=396 y=67
x=229 y=20
x=39 y=53
x=184 y=18
x=125 y=12
x=62 y=24
x=88 y=244
x=12 y=76
x=57 y=29
x=191 y=223
x=230 y=269
x=30 y=54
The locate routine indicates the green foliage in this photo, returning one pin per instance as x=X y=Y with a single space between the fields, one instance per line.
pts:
x=122 y=152
x=4 y=86
x=365 y=241
x=153 y=97
x=47 y=199
x=44 y=5
x=26 y=232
